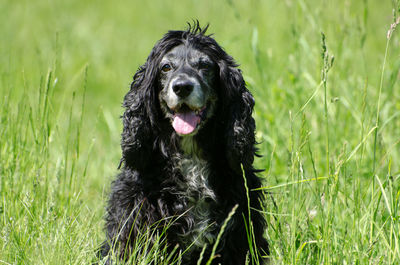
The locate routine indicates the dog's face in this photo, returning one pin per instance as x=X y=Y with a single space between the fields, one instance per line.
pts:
x=188 y=93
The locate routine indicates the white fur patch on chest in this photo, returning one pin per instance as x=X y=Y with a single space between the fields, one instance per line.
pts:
x=196 y=189
x=196 y=172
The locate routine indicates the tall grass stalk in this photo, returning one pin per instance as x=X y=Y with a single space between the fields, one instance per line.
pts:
x=327 y=61
x=377 y=120
x=219 y=236
x=327 y=65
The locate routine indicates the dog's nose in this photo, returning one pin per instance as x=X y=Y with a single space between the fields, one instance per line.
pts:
x=183 y=88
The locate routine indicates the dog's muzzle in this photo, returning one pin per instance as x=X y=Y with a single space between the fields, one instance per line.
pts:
x=187 y=104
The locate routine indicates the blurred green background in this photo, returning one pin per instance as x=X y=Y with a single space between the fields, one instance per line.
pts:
x=66 y=65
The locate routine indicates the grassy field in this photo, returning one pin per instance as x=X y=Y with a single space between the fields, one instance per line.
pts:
x=327 y=113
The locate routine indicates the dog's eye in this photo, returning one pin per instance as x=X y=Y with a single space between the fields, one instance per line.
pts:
x=203 y=65
x=166 y=67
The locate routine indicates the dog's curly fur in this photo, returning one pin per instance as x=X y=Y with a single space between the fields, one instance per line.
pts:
x=195 y=180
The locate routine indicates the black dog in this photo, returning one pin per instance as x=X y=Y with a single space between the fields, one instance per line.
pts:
x=188 y=147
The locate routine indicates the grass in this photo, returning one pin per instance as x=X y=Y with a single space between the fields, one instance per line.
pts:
x=329 y=132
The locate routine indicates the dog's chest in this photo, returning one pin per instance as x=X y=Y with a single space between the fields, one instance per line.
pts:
x=196 y=173
x=200 y=196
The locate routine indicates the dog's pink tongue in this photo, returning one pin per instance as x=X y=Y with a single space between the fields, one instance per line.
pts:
x=185 y=123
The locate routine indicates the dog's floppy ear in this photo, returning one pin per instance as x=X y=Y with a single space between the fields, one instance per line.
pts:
x=139 y=117
x=238 y=105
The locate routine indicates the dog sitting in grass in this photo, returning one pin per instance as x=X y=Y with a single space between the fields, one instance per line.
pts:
x=188 y=147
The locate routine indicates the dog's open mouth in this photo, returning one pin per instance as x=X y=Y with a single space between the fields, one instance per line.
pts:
x=186 y=119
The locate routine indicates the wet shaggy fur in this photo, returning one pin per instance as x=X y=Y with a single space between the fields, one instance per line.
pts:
x=194 y=180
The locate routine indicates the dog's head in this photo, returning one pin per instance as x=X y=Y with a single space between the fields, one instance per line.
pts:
x=187 y=93
x=189 y=80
